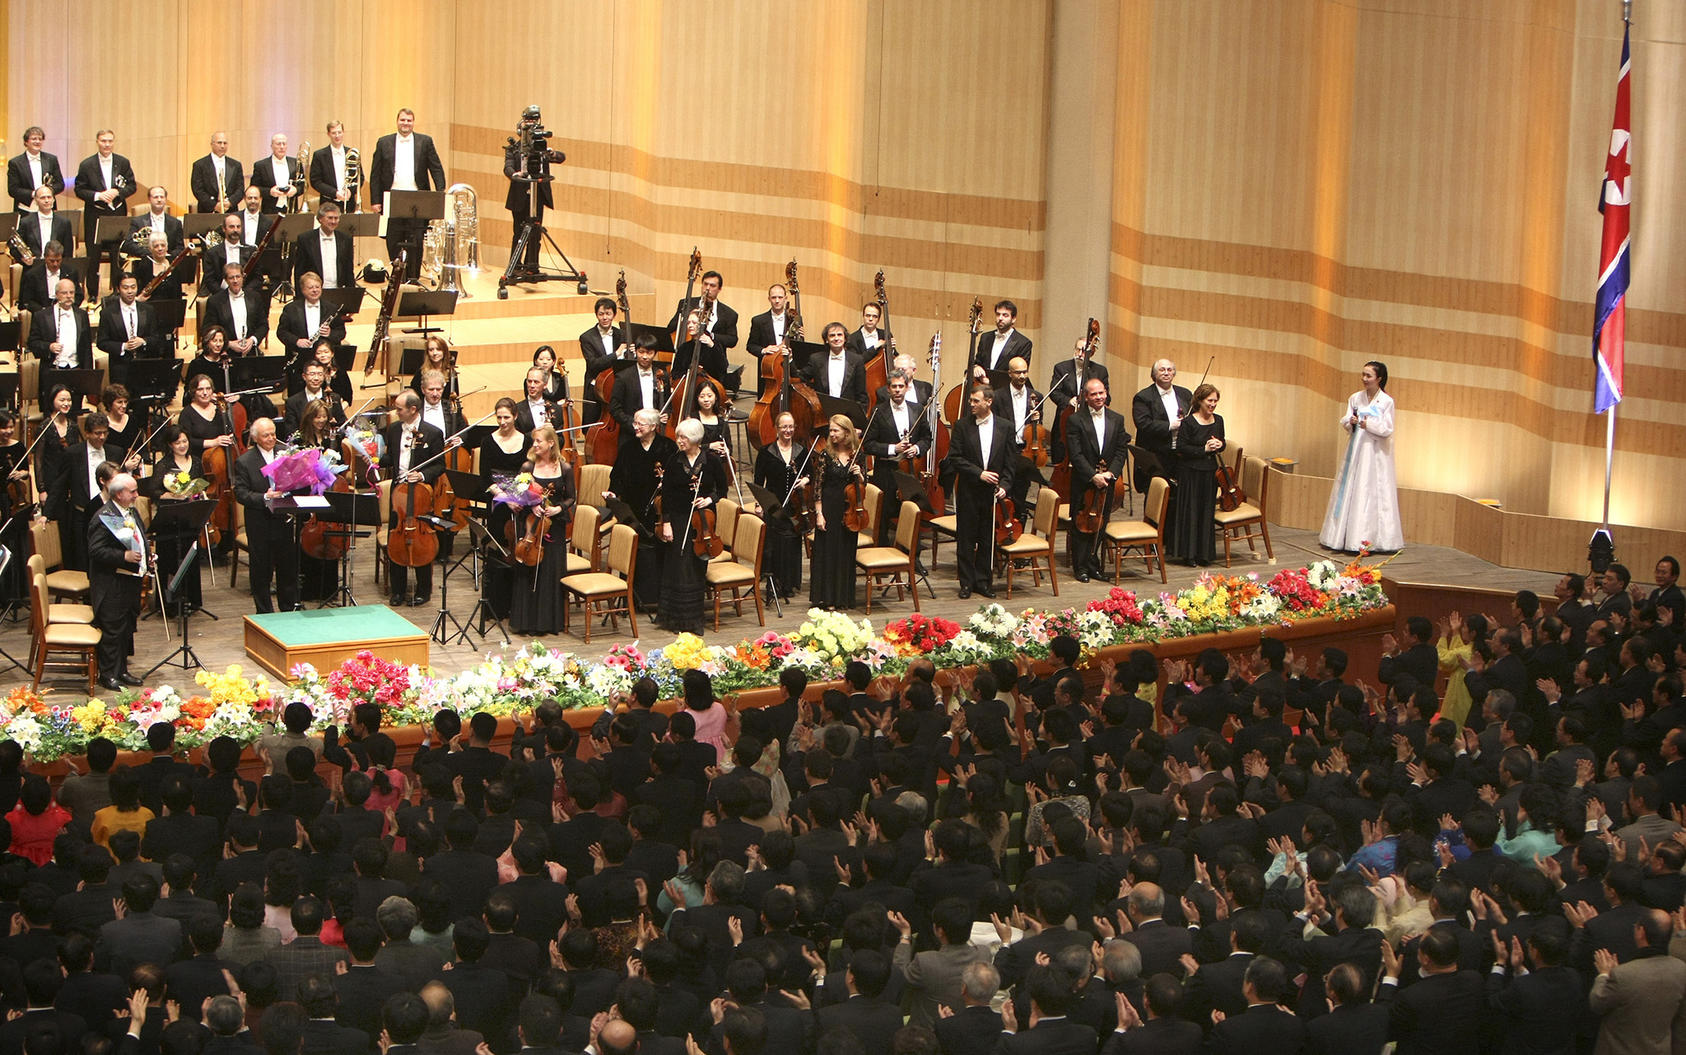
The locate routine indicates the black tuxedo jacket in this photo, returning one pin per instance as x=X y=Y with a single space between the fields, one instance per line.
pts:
x=430 y=172
x=29 y=229
x=1017 y=345
x=918 y=393
x=627 y=398
x=526 y=421
x=1089 y=457
x=33 y=291
x=761 y=336
x=307 y=256
x=1153 y=428
x=20 y=182
x=140 y=229
x=857 y=343
x=725 y=328
x=263 y=178
x=430 y=442
x=591 y=347
x=91 y=181
x=220 y=312
x=218 y=257
x=250 y=485
x=69 y=487
x=203 y=183
x=293 y=414
x=324 y=181
x=290 y=326
x=1063 y=386
x=44 y=331
x=818 y=372
x=882 y=435
x=967 y=459
x=112 y=335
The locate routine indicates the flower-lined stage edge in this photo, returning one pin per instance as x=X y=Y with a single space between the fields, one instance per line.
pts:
x=230 y=704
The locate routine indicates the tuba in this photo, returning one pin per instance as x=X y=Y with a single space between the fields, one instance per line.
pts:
x=452 y=244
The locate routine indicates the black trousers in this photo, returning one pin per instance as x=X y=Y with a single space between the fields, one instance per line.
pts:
x=518 y=215
x=406 y=234
x=974 y=546
x=274 y=560
x=400 y=579
x=116 y=607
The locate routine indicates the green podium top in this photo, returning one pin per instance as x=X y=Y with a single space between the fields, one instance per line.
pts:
x=326 y=626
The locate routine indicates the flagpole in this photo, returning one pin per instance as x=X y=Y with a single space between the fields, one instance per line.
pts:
x=1609 y=457
x=1601 y=551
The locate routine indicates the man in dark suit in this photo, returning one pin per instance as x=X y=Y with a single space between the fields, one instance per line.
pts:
x=720 y=321
x=1001 y=344
x=897 y=430
x=1157 y=411
x=972 y=1025
x=277 y=177
x=411 y=441
x=364 y=988
x=604 y=346
x=313 y=390
x=232 y=249
x=73 y=494
x=117 y=560
x=127 y=329
x=274 y=554
x=1263 y=1026
x=325 y=251
x=872 y=1019
x=243 y=314
x=38 y=287
x=1165 y=1032
x=330 y=167
x=871 y=339
x=838 y=373
x=45 y=225
x=435 y=410
x=768 y=329
x=1097 y=439
x=1443 y=1011
x=533 y=168
x=105 y=182
x=217 y=180
x=534 y=409
x=979 y=470
x=1018 y=405
x=156 y=218
x=305 y=320
x=32 y=169
x=60 y=335
x=404 y=160
x=1161 y=945
x=1065 y=387
x=1049 y=1031
x=140 y=935
x=322 y=1035
x=640 y=388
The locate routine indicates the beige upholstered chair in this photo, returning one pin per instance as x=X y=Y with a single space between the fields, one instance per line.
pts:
x=1242 y=521
x=1147 y=534
x=875 y=563
x=1037 y=544
x=742 y=571
x=605 y=592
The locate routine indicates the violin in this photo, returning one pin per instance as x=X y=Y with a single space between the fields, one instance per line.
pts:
x=854 y=495
x=1007 y=526
x=1098 y=504
x=1036 y=436
x=529 y=548
x=1230 y=495
x=702 y=528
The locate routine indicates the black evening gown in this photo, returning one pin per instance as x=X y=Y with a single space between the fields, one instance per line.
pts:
x=535 y=603
x=635 y=480
x=49 y=460
x=1192 y=531
x=172 y=548
x=497 y=580
x=319 y=579
x=683 y=583
x=15 y=519
x=831 y=578
x=782 y=555
x=130 y=436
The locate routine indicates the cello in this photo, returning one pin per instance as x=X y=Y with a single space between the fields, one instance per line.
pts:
x=1060 y=479
x=684 y=395
x=606 y=437
x=783 y=390
x=878 y=367
x=217 y=462
x=954 y=404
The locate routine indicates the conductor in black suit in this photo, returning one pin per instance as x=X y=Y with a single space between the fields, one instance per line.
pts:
x=32 y=169
x=404 y=160
x=105 y=182
x=1157 y=411
x=411 y=441
x=50 y=332
x=999 y=345
x=325 y=251
x=979 y=469
x=127 y=329
x=274 y=554
x=242 y=313
x=44 y=221
x=117 y=559
x=837 y=373
x=524 y=170
x=1096 y=437
x=722 y=321
x=217 y=181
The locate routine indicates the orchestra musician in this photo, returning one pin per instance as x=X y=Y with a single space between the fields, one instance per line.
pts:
x=117 y=562
x=61 y=434
x=1017 y=405
x=536 y=408
x=693 y=480
x=404 y=160
x=105 y=182
x=156 y=219
x=502 y=453
x=897 y=430
x=14 y=517
x=979 y=468
x=635 y=479
x=1158 y=412
x=605 y=347
x=274 y=175
x=767 y=329
x=536 y=601
x=74 y=494
x=1001 y=344
x=436 y=410
x=327 y=170
x=304 y=320
x=1097 y=439
x=216 y=180
x=436 y=355
x=60 y=336
x=315 y=391
x=127 y=431
x=698 y=342
x=866 y=341
x=31 y=170
x=127 y=329
x=1067 y=387
x=831 y=580
x=40 y=282
x=254 y=220
x=176 y=458
x=782 y=468
x=324 y=353
x=639 y=388
x=410 y=441
x=155 y=263
x=242 y=313
x=319 y=578
x=722 y=321
x=544 y=357
x=918 y=392
x=233 y=249
x=272 y=549
x=325 y=251
x=713 y=422
x=838 y=373
x=45 y=226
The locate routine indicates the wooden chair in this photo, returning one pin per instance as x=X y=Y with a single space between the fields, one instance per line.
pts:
x=593 y=481
x=583 y=541
x=875 y=562
x=1037 y=544
x=383 y=531
x=743 y=572
x=726 y=526
x=868 y=536
x=61 y=581
x=241 y=545
x=941 y=527
x=605 y=592
x=1240 y=522
x=59 y=612
x=59 y=639
x=1147 y=534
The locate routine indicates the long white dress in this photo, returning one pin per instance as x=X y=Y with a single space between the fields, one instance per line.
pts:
x=1364 y=506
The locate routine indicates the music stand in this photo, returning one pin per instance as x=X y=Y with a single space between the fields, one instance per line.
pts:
x=154 y=381
x=420 y=303
x=772 y=509
x=9 y=227
x=413 y=206
x=443 y=618
x=802 y=351
x=11 y=334
x=261 y=372
x=82 y=383
x=5 y=562
x=480 y=535
x=11 y=384
x=360 y=224
x=343 y=301
x=185 y=519
x=663 y=336
x=200 y=224
x=532 y=230
x=169 y=315
x=623 y=514
x=110 y=231
x=350 y=508
x=830 y=406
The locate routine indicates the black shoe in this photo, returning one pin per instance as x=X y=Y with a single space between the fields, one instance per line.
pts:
x=419 y=600
x=129 y=679
x=111 y=683
x=395 y=601
x=965 y=592
x=984 y=591
x=1082 y=576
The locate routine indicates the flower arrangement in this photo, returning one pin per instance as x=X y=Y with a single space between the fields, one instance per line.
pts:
x=919 y=635
x=183 y=484
x=832 y=637
x=300 y=471
x=520 y=491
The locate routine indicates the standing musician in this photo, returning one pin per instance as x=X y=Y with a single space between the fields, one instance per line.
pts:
x=636 y=479
x=516 y=200
x=897 y=430
x=1017 y=406
x=1158 y=411
x=327 y=171
x=722 y=322
x=436 y=355
x=31 y=170
x=918 y=392
x=274 y=176
x=319 y=577
x=117 y=562
x=502 y=452
x=544 y=357
x=436 y=411
x=45 y=226
x=155 y=220
x=767 y=329
x=242 y=313
x=866 y=341
x=127 y=329
x=233 y=249
x=127 y=431
x=693 y=480
x=535 y=408
x=274 y=554
x=40 y=282
x=1066 y=387
x=176 y=457
x=75 y=493
x=315 y=391
x=605 y=347
x=60 y=336
x=304 y=320
x=837 y=464
x=536 y=601
x=410 y=441
x=698 y=342
x=1097 y=439
x=105 y=182
x=782 y=467
x=217 y=180
x=1001 y=344
x=838 y=373
x=333 y=378
x=979 y=469
x=404 y=160
x=155 y=263
x=325 y=251
x=254 y=221
x=15 y=516
x=641 y=388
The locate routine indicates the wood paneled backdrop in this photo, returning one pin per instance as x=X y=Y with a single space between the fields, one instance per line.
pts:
x=1291 y=186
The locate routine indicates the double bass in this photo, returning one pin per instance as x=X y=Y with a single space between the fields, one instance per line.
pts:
x=954 y=404
x=878 y=367
x=1060 y=479
x=606 y=437
x=783 y=390
x=683 y=398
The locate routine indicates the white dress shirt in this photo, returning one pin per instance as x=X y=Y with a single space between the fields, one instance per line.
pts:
x=434 y=414
x=647 y=386
x=237 y=308
x=406 y=443
x=1001 y=340
x=45 y=220
x=105 y=174
x=869 y=339
x=338 y=156
x=902 y=416
x=330 y=262
x=1020 y=398
x=834 y=374
x=608 y=340
x=278 y=165
x=1098 y=417
x=34 y=170
x=539 y=411
x=1172 y=410
x=779 y=323
x=219 y=166
x=250 y=220
x=404 y=163
x=68 y=338
x=130 y=323
x=986 y=436
x=312 y=318
x=155 y=220
x=96 y=456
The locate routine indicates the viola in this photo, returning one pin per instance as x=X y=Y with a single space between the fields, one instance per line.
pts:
x=1036 y=437
x=412 y=544
x=1007 y=527
x=705 y=536
x=1098 y=504
x=854 y=495
x=1230 y=495
x=529 y=548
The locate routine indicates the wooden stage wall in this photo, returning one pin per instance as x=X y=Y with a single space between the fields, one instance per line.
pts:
x=1293 y=187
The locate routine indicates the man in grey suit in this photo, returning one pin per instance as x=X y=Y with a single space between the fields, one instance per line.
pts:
x=1641 y=1004
x=934 y=977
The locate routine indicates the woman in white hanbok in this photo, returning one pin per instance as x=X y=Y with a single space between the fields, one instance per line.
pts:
x=1364 y=506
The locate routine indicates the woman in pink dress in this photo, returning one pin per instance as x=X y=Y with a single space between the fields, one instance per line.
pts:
x=710 y=714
